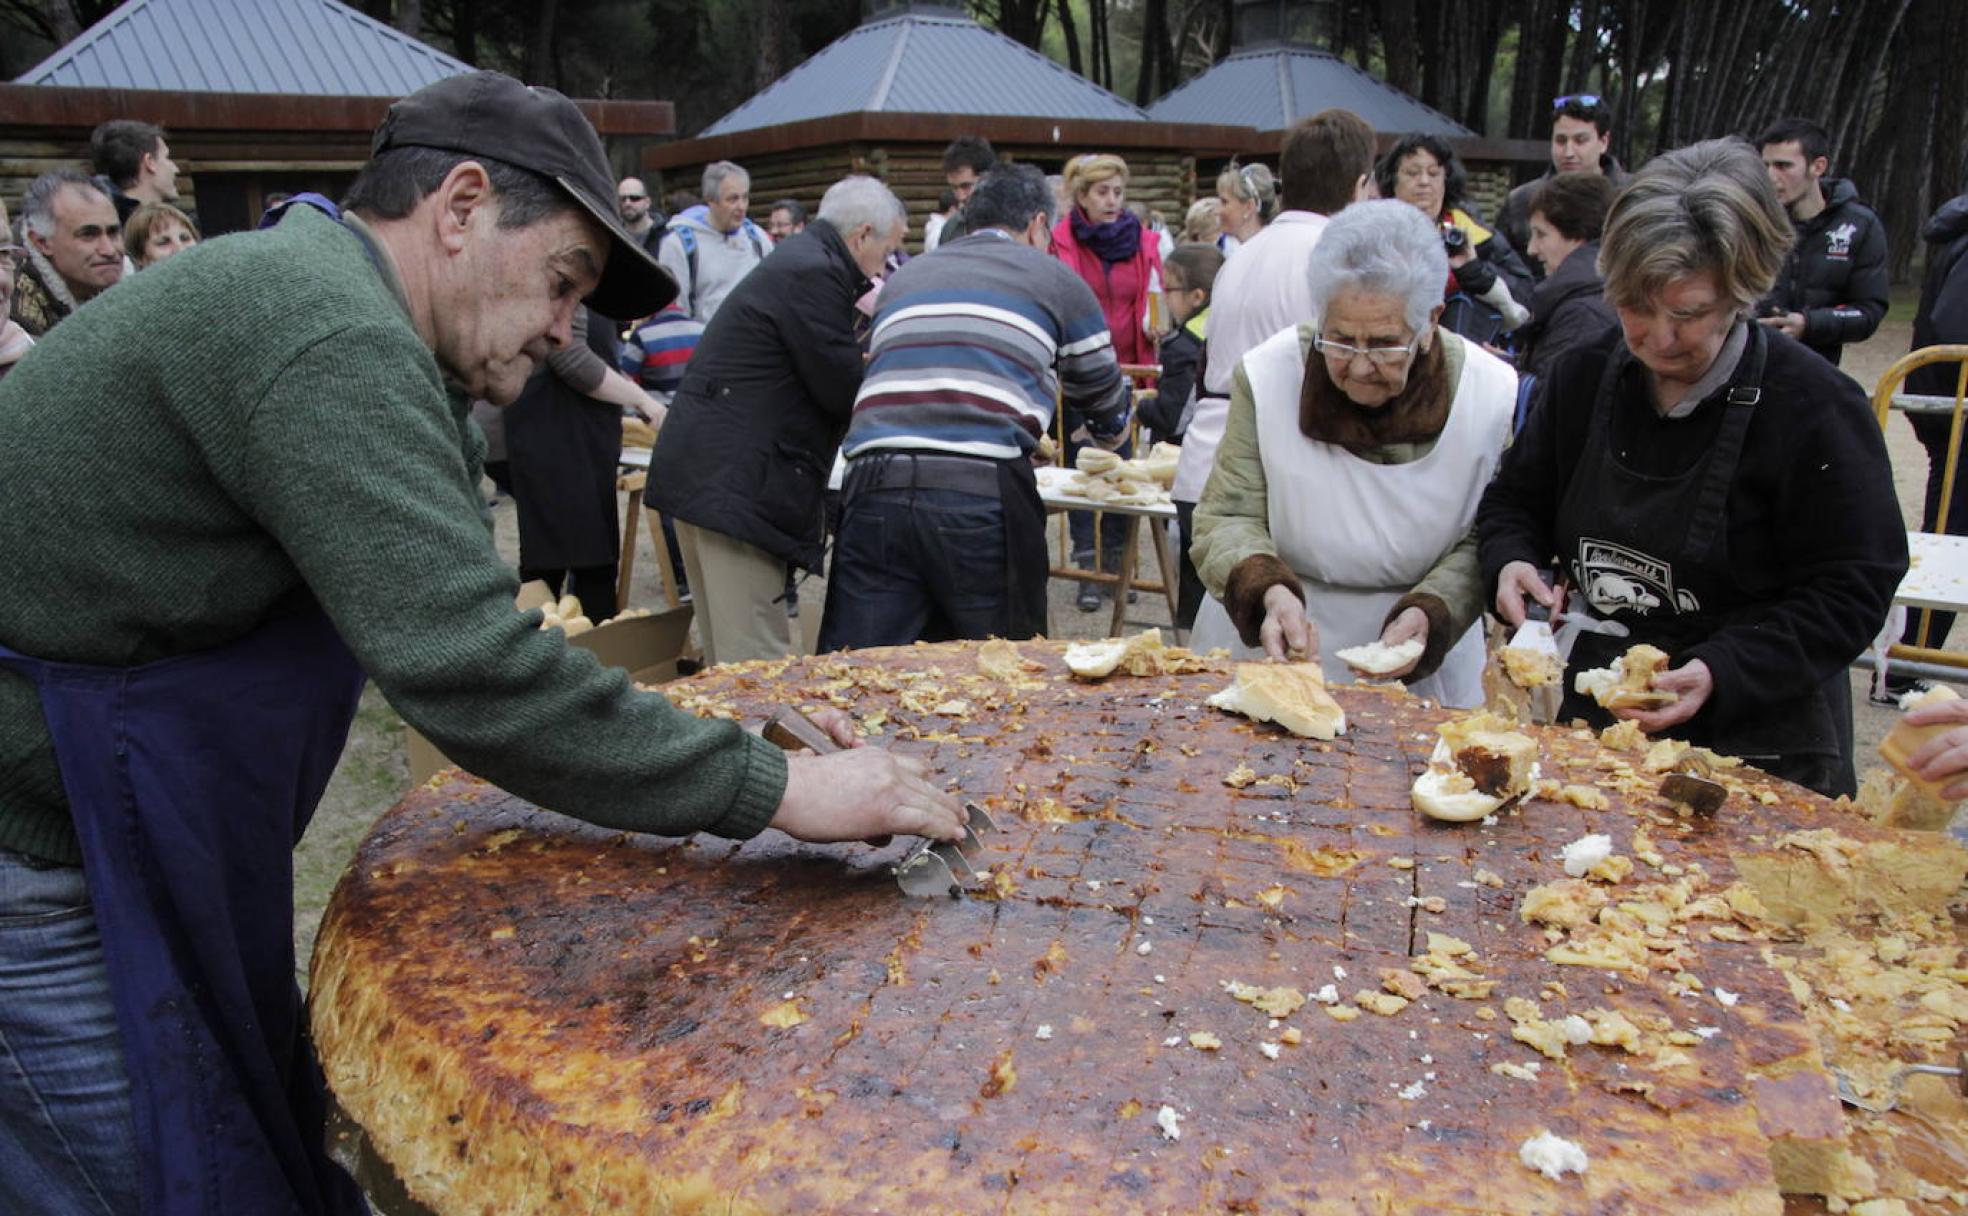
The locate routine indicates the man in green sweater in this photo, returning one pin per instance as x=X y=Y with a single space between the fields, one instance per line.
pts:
x=233 y=489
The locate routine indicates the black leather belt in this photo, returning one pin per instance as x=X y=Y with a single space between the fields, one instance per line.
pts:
x=895 y=470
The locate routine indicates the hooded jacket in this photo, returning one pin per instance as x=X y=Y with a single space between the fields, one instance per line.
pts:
x=1943 y=314
x=1835 y=274
x=1514 y=221
x=708 y=263
x=751 y=435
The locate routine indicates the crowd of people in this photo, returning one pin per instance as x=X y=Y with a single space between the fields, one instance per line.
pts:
x=1396 y=417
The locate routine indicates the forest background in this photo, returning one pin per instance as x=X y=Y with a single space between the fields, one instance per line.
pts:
x=1875 y=73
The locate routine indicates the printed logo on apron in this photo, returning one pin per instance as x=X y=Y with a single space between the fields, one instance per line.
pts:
x=1616 y=577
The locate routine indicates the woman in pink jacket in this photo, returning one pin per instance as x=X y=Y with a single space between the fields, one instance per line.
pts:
x=1103 y=241
x=1105 y=245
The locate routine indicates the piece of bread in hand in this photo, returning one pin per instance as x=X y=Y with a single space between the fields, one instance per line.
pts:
x=1377 y=658
x=1627 y=684
x=1902 y=741
x=1291 y=694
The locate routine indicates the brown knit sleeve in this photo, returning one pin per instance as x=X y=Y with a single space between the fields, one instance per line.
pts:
x=1243 y=592
x=1437 y=646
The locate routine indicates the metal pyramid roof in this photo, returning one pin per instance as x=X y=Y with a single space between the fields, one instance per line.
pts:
x=1270 y=88
x=926 y=62
x=245 y=46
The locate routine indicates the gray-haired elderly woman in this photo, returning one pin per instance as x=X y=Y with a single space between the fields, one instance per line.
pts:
x=1356 y=450
x=1711 y=484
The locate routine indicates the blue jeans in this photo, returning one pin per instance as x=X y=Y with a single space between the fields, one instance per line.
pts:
x=923 y=564
x=67 y=1144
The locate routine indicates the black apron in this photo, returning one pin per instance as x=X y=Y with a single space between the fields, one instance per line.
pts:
x=190 y=780
x=563 y=451
x=1652 y=552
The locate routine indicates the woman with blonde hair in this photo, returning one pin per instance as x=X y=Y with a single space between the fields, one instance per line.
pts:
x=1106 y=245
x=1203 y=223
x=1247 y=198
x=156 y=231
x=1710 y=484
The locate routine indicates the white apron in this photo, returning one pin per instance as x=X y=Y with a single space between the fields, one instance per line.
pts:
x=1360 y=535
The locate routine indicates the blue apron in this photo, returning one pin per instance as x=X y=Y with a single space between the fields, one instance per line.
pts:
x=190 y=780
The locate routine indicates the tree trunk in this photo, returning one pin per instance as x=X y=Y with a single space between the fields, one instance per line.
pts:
x=1585 y=48
x=1152 y=80
x=539 y=51
x=1071 y=30
x=410 y=17
x=1398 y=36
x=770 y=62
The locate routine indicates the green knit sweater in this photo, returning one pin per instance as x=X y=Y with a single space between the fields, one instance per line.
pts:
x=258 y=420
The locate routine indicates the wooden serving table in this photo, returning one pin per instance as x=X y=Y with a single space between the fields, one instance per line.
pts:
x=1214 y=968
x=1053 y=493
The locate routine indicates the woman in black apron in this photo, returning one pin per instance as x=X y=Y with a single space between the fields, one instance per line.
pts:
x=1717 y=488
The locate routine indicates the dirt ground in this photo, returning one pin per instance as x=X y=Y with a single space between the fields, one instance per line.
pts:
x=373 y=773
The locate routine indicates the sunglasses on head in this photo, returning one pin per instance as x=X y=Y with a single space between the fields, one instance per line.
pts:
x=1575 y=99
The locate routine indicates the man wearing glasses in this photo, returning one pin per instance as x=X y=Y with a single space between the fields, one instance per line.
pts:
x=639 y=216
x=1581 y=132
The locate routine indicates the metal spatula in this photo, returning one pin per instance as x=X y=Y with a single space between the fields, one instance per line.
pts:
x=1849 y=1094
x=932 y=867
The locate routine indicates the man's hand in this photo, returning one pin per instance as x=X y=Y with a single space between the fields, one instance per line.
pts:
x=838 y=724
x=1514 y=582
x=1945 y=755
x=1286 y=633
x=1410 y=625
x=1790 y=323
x=863 y=794
x=1461 y=257
x=1692 y=680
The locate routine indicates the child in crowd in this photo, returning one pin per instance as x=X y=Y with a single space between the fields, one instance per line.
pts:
x=1188 y=279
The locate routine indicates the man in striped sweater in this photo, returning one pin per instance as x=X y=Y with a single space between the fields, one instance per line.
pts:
x=942 y=534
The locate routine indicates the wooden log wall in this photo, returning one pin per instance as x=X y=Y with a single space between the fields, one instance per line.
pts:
x=1164 y=181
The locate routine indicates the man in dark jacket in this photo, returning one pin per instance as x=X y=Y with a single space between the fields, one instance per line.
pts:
x=1832 y=289
x=743 y=460
x=1942 y=319
x=1581 y=131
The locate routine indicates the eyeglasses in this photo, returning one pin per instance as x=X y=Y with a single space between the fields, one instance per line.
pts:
x=630 y=198
x=1579 y=99
x=1379 y=356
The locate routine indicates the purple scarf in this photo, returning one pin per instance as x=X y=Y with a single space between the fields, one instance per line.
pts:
x=1117 y=240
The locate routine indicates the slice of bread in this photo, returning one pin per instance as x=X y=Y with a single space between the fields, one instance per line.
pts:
x=1627 y=684
x=1376 y=658
x=1451 y=796
x=1902 y=741
x=1291 y=694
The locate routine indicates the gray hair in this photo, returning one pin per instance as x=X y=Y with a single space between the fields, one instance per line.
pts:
x=38 y=204
x=1385 y=247
x=857 y=200
x=1706 y=207
x=716 y=172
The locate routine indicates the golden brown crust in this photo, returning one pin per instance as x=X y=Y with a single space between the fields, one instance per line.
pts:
x=531 y=1015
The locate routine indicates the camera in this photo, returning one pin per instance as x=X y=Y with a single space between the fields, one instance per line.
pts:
x=1454 y=239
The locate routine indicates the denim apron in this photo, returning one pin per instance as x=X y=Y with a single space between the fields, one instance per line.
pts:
x=190 y=780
